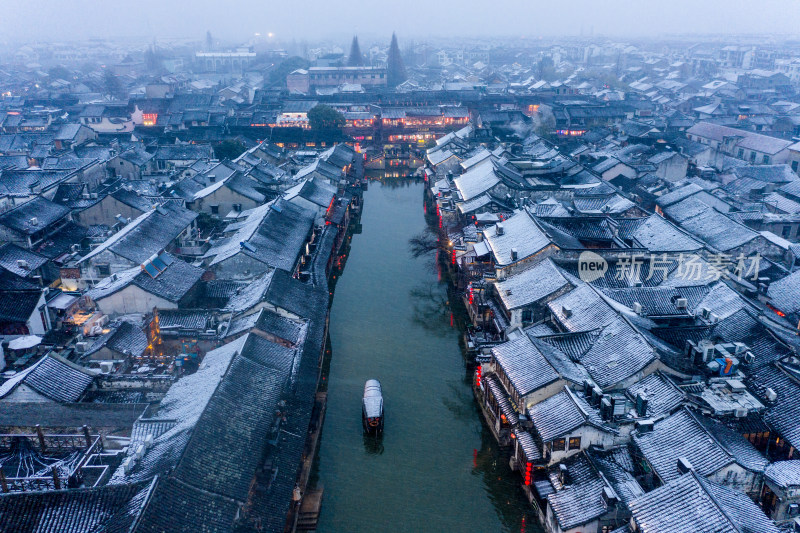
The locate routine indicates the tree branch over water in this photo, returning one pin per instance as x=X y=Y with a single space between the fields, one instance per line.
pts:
x=423 y=243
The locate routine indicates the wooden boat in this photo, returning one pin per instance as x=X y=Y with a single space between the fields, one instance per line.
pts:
x=372 y=407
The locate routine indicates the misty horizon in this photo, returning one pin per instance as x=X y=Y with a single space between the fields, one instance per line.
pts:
x=39 y=20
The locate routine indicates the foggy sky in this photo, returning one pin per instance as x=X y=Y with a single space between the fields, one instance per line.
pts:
x=238 y=20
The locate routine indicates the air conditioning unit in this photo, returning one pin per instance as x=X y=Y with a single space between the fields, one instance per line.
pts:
x=749 y=358
x=681 y=303
x=771 y=395
x=637 y=308
x=707 y=349
x=740 y=413
x=81 y=347
x=645 y=426
x=705 y=312
x=23 y=264
x=106 y=367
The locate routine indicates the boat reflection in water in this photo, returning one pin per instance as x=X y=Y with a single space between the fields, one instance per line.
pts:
x=372 y=408
x=373 y=444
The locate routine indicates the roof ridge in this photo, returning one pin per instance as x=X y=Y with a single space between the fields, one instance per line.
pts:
x=574 y=400
x=70 y=364
x=708 y=432
x=143 y=507
x=704 y=485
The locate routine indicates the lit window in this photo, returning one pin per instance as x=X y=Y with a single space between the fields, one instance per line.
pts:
x=149 y=119
x=575 y=443
x=559 y=445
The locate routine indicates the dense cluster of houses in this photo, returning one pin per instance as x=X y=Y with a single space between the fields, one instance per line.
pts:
x=163 y=319
x=633 y=300
x=622 y=221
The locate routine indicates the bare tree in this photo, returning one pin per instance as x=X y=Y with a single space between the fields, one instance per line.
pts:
x=423 y=243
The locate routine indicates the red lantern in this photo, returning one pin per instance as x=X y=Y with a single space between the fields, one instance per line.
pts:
x=528 y=468
x=478 y=375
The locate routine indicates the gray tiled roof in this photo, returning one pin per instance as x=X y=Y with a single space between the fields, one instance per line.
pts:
x=531 y=285
x=618 y=353
x=709 y=225
x=582 y=500
x=124 y=338
x=55 y=378
x=520 y=232
x=784 y=473
x=184 y=319
x=172 y=284
x=228 y=441
x=561 y=413
x=39 y=210
x=17 y=305
x=679 y=194
x=785 y=412
x=705 y=445
x=174 y=507
x=108 y=509
x=280 y=326
x=657 y=235
x=662 y=395
x=184 y=152
x=503 y=403
x=524 y=365
x=148 y=234
x=618 y=466
x=785 y=293
x=659 y=301
x=275 y=234
x=581 y=309
x=317 y=192
x=528 y=445
x=691 y=503
x=21 y=182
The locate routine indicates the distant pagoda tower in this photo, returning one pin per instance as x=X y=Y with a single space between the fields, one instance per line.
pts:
x=395 y=70
x=355 y=59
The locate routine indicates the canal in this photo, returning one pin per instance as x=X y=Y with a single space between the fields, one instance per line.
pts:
x=437 y=467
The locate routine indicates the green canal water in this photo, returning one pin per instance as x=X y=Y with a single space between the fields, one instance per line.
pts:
x=437 y=467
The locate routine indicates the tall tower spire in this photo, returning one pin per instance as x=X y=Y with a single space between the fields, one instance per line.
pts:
x=395 y=70
x=355 y=59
